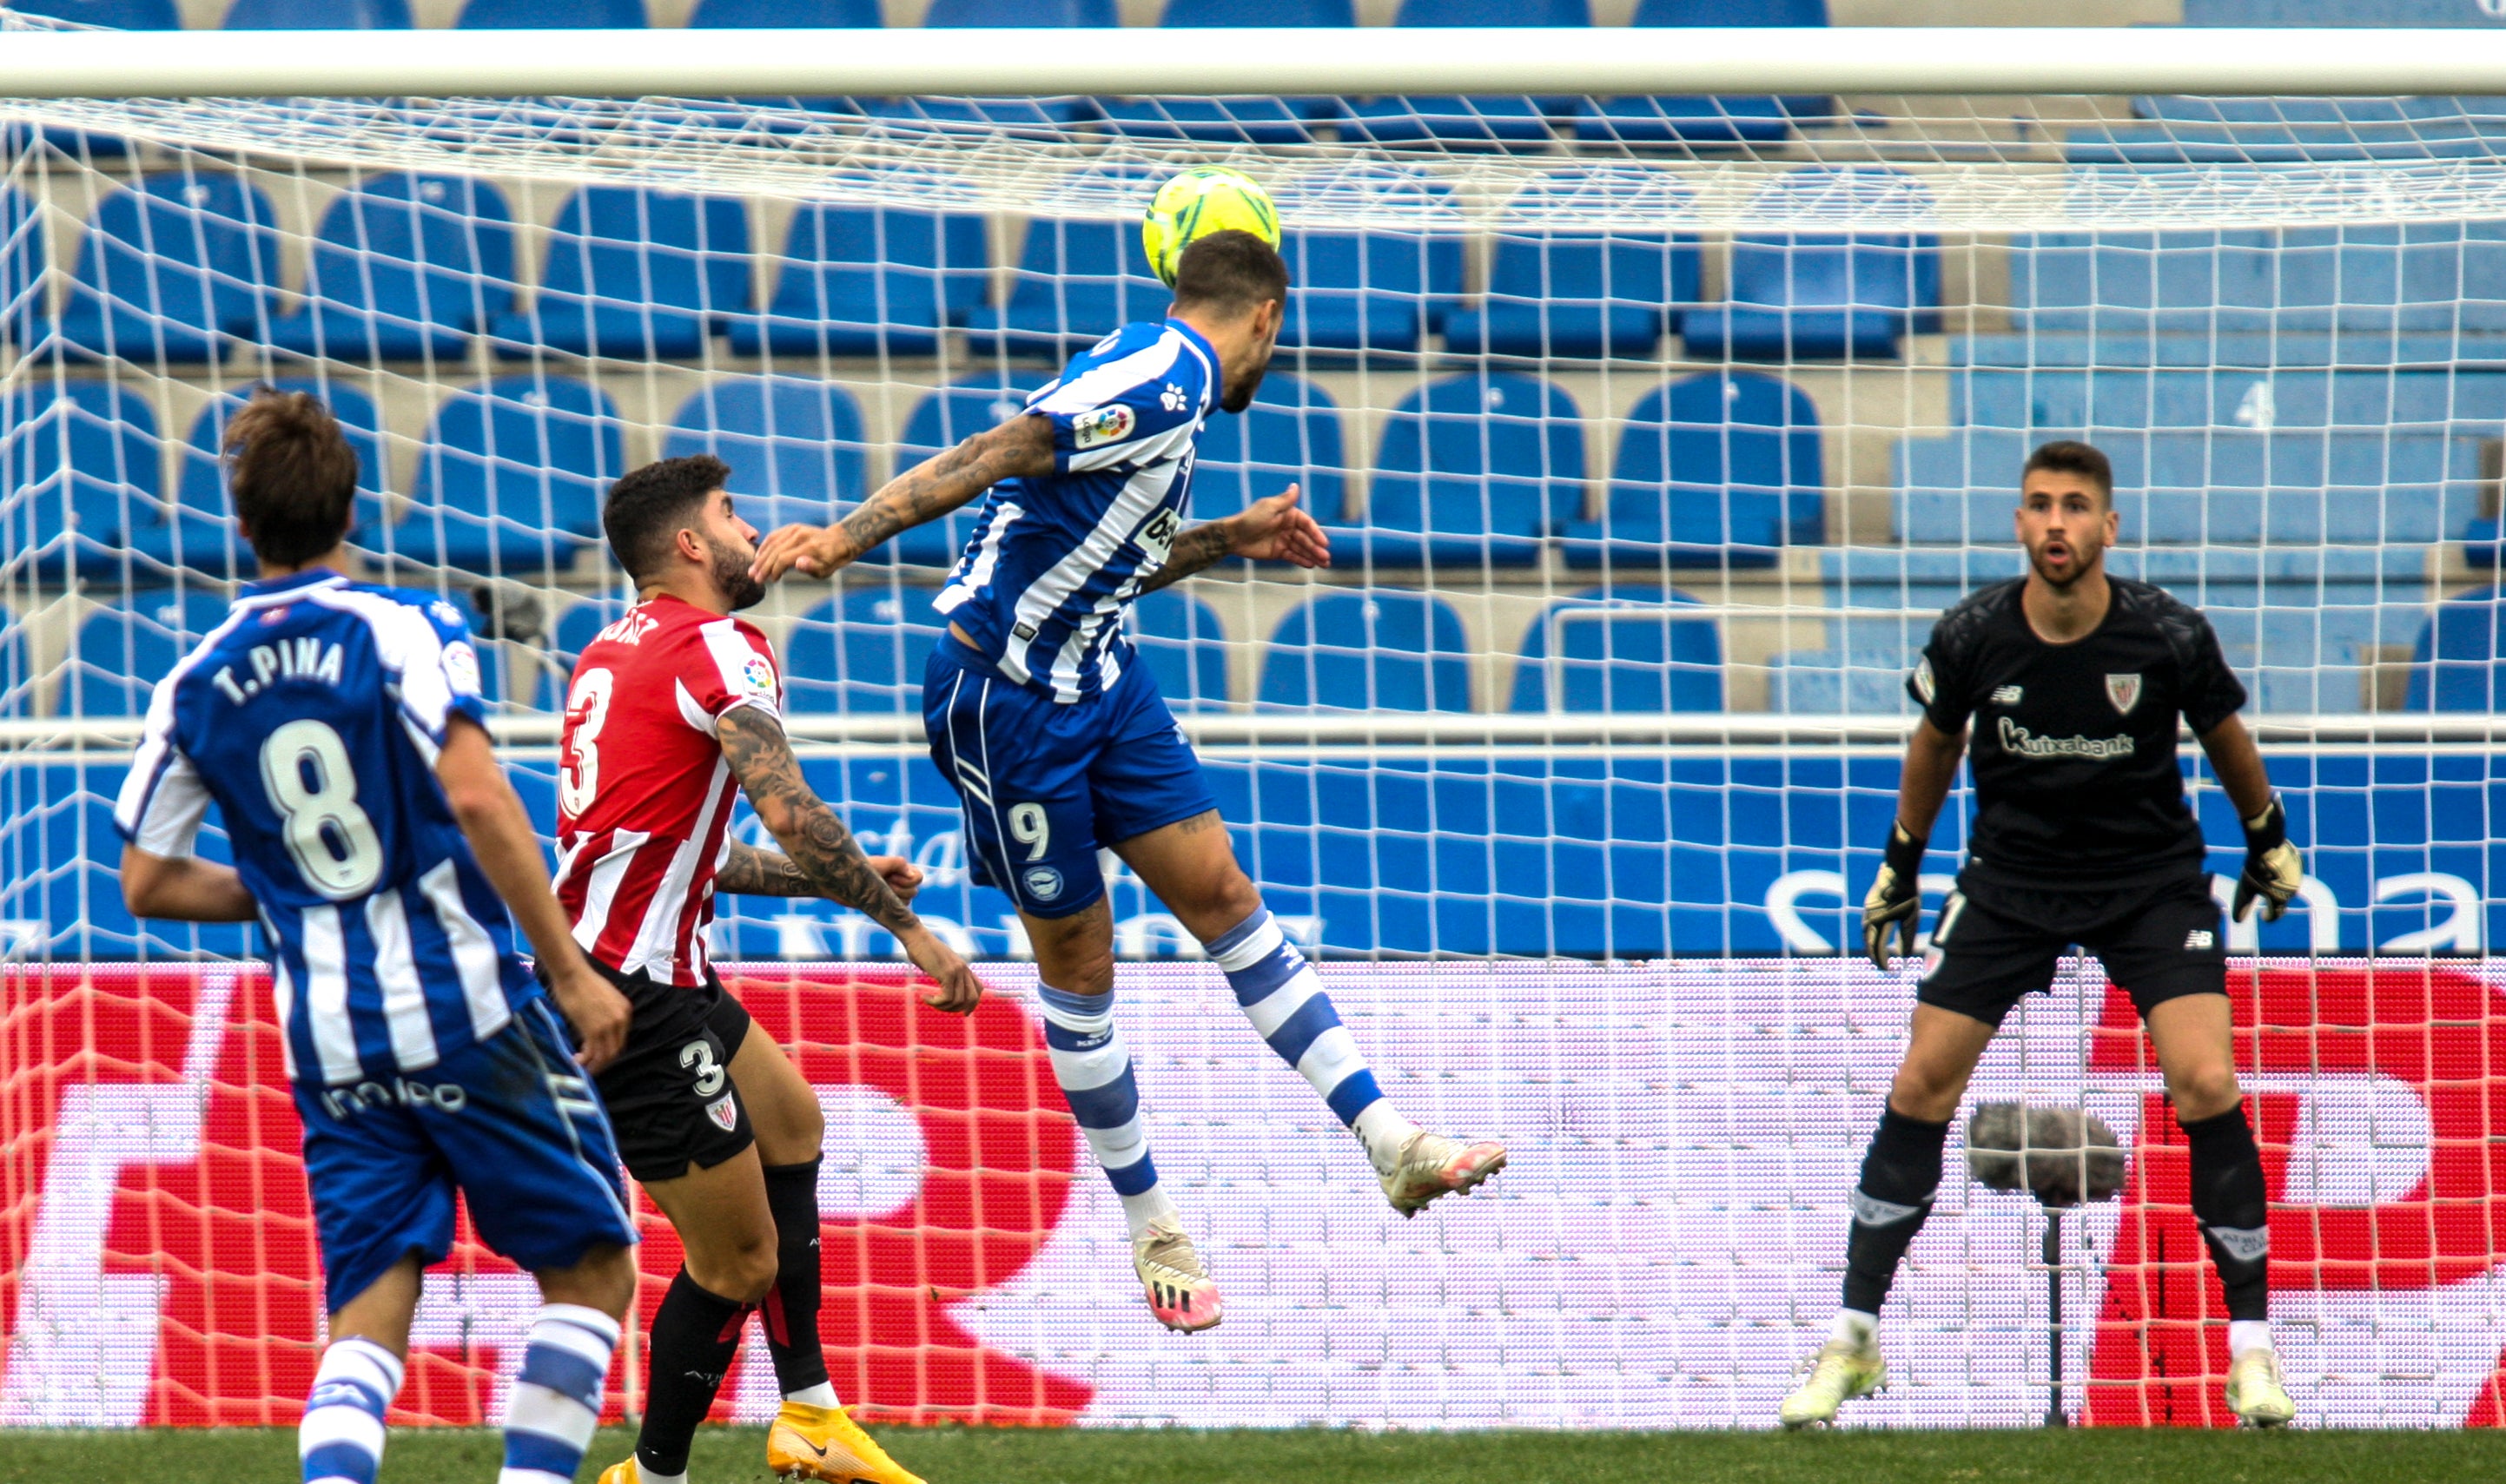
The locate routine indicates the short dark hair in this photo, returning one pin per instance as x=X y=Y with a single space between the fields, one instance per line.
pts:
x=293 y=475
x=1231 y=273
x=644 y=510
x=2065 y=456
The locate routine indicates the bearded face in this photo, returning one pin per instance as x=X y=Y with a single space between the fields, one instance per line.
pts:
x=730 y=573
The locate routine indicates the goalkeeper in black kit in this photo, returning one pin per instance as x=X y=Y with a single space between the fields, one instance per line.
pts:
x=2072 y=682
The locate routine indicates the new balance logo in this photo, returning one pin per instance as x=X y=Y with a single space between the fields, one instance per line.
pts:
x=1871 y=1210
x=2007 y=695
x=2245 y=1244
x=2201 y=938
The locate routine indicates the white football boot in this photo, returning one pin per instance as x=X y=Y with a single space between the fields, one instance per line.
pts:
x=1431 y=1165
x=1179 y=1291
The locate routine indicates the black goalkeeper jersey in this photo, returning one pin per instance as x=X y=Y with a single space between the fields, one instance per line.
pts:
x=2073 y=750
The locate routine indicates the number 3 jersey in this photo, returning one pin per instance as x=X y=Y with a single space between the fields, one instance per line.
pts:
x=644 y=797
x=312 y=717
x=1056 y=559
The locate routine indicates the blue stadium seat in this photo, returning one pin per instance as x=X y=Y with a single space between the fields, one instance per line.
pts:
x=575 y=630
x=119 y=14
x=746 y=15
x=1619 y=649
x=1022 y=13
x=1473 y=470
x=1047 y=121
x=1184 y=646
x=1380 y=650
x=510 y=477
x=1716 y=470
x=78 y=467
x=1370 y=293
x=1557 y=292
x=2455 y=666
x=198 y=532
x=2075 y=401
x=869 y=281
x=1810 y=294
x=1695 y=120
x=2439 y=276
x=1291 y=435
x=634 y=273
x=540 y=15
x=1076 y=281
x=124 y=648
x=1867 y=681
x=941 y=421
x=1259 y=13
x=2135 y=283
x=23 y=256
x=1254 y=121
x=318 y=16
x=403 y=267
x=861 y=652
x=794 y=444
x=1469 y=123
x=170 y=266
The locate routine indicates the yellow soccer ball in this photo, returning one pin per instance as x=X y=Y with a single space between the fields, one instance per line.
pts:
x=1201 y=200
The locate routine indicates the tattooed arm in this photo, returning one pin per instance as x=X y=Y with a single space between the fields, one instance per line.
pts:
x=1020 y=447
x=819 y=846
x=1267 y=530
x=754 y=872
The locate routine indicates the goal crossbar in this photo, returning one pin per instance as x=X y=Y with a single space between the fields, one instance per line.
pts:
x=70 y=63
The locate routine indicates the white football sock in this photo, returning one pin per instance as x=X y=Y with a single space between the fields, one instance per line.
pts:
x=1382 y=1130
x=1854 y=1327
x=822 y=1395
x=2245 y=1334
x=1146 y=1207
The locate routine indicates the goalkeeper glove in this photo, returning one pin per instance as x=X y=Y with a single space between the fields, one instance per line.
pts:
x=1896 y=899
x=2273 y=866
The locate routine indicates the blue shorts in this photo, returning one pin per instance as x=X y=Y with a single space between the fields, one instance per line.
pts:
x=511 y=1122
x=1045 y=786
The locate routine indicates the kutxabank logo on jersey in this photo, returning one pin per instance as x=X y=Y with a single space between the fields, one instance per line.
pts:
x=2019 y=742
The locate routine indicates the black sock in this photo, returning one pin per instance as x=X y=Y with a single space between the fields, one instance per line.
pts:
x=791 y=1311
x=1900 y=1176
x=694 y=1335
x=2231 y=1203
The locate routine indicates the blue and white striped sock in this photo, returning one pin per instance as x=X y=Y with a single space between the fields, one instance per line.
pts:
x=1283 y=997
x=557 y=1400
x=1094 y=1069
x=341 y=1437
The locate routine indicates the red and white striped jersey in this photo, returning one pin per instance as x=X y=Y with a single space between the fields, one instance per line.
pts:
x=643 y=794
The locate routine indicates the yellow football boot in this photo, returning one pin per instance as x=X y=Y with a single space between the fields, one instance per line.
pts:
x=825 y=1443
x=623 y=1471
x=1841 y=1372
x=2255 y=1393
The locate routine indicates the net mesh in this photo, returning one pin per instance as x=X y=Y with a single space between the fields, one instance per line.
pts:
x=1652 y=434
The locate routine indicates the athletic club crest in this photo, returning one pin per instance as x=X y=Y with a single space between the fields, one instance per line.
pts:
x=2124 y=691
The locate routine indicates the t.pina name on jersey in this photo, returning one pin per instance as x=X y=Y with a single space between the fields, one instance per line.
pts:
x=287 y=659
x=2019 y=740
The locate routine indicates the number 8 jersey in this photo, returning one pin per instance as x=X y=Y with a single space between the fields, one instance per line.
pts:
x=312 y=716
x=644 y=797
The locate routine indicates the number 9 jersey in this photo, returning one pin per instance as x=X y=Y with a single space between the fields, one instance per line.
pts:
x=312 y=716
x=644 y=797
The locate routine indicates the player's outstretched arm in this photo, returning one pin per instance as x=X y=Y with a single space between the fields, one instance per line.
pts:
x=821 y=848
x=1895 y=904
x=1275 y=529
x=183 y=888
x=1019 y=448
x=493 y=819
x=2273 y=870
x=754 y=872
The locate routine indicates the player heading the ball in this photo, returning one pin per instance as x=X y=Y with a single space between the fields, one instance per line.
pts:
x=338 y=727
x=1059 y=744
x=672 y=708
x=2074 y=681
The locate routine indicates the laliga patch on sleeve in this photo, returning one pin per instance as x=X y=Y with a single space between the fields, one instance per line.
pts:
x=1924 y=680
x=757 y=676
x=461 y=667
x=1106 y=425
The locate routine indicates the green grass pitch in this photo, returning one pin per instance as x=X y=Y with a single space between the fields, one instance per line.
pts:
x=1320 y=1456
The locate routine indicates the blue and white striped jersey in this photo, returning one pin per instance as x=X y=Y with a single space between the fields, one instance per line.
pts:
x=1055 y=560
x=312 y=717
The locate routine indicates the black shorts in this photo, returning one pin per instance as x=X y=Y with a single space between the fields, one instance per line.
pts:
x=669 y=1094
x=1995 y=944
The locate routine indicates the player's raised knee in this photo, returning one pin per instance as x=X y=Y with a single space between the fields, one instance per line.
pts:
x=2204 y=1091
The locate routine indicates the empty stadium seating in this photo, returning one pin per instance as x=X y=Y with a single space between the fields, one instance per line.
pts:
x=730 y=15
x=120 y=14
x=540 y=15
x=1619 y=649
x=510 y=475
x=1022 y=13
x=636 y=273
x=794 y=444
x=403 y=267
x=574 y=633
x=940 y=421
x=1560 y=292
x=1473 y=470
x=1810 y=294
x=1469 y=123
x=23 y=252
x=1180 y=639
x=1862 y=672
x=1259 y=13
x=1693 y=121
x=861 y=652
x=80 y=462
x=197 y=531
x=1378 y=651
x=1253 y=120
x=1714 y=470
x=1368 y=293
x=1291 y=435
x=170 y=266
x=318 y=16
x=869 y=281
x=1075 y=281
x=2454 y=665
x=2055 y=401
x=125 y=646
